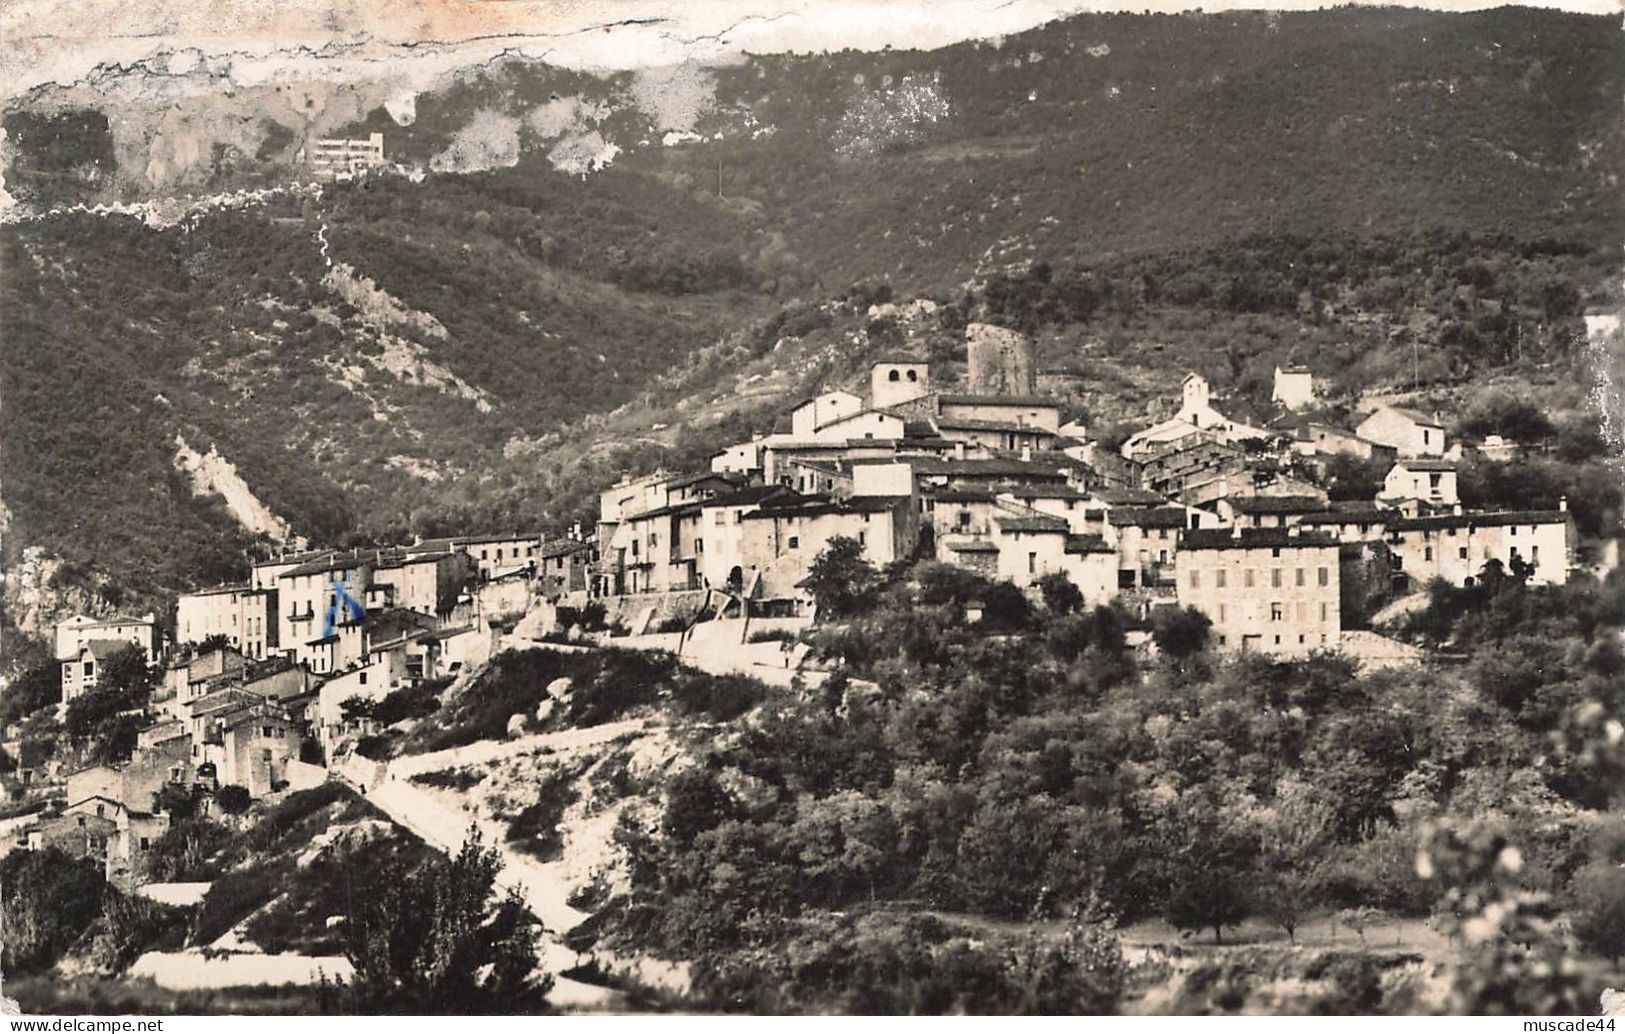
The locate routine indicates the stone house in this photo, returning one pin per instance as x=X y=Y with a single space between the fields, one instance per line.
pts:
x=1273 y=590
x=1407 y=431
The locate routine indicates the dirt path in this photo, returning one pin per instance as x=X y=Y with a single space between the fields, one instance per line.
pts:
x=446 y=828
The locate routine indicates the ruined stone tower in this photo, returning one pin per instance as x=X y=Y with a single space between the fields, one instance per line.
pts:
x=1001 y=361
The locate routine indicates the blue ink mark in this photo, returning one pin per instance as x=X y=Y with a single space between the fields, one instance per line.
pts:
x=341 y=599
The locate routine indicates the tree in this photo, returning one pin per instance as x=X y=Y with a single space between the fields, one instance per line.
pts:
x=1060 y=595
x=232 y=799
x=1598 y=910
x=1180 y=632
x=1210 y=866
x=436 y=938
x=1082 y=975
x=1512 y=961
x=1348 y=477
x=841 y=580
x=126 y=672
x=50 y=901
x=1293 y=835
x=695 y=803
x=39 y=686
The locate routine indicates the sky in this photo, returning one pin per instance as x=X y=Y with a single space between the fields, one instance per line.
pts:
x=65 y=40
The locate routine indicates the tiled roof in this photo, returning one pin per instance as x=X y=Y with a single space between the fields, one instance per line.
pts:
x=1032 y=523
x=968 y=424
x=961 y=495
x=973 y=546
x=1087 y=544
x=1045 y=492
x=338 y=562
x=564 y=547
x=1276 y=504
x=102 y=649
x=1416 y=416
x=750 y=496
x=219 y=590
x=1148 y=517
x=1481 y=520
x=1426 y=465
x=999 y=400
x=1130 y=497
x=1255 y=538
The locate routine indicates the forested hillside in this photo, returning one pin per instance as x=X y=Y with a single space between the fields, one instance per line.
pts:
x=1399 y=197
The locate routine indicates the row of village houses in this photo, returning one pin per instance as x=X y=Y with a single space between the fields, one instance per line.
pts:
x=998 y=483
x=254 y=681
x=1191 y=511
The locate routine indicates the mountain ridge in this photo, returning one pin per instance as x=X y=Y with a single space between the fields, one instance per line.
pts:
x=1461 y=192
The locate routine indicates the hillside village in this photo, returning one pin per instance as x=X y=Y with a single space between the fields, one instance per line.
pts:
x=264 y=685
x=1080 y=521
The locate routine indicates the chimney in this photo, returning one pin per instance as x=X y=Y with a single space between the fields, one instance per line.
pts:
x=959 y=450
x=1235 y=531
x=1456 y=509
x=1563 y=504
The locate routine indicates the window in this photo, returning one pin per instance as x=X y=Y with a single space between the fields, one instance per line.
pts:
x=1224 y=613
x=913 y=375
x=1032 y=563
x=144 y=843
x=1426 y=436
x=795 y=542
x=1462 y=553
x=720 y=518
x=101 y=810
x=1275 y=577
x=1275 y=612
x=863 y=538
x=654 y=539
x=1275 y=551
x=1427 y=554
x=894 y=376
x=964 y=518
x=699 y=545
x=90 y=668
x=1196 y=578
x=1514 y=529
x=362 y=678
x=739 y=516
x=1534 y=552
x=1300 y=580
x=1247 y=577
x=1325 y=576
x=1324 y=610
x=1218 y=578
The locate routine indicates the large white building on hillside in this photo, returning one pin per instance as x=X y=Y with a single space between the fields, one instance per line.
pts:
x=1271 y=590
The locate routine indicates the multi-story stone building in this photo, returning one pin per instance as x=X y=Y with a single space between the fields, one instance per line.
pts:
x=1456 y=546
x=1273 y=590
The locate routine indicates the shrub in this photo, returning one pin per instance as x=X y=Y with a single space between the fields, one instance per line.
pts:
x=50 y=901
x=233 y=800
x=721 y=698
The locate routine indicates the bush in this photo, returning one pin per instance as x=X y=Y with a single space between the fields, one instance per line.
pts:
x=535 y=830
x=233 y=800
x=722 y=698
x=50 y=900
